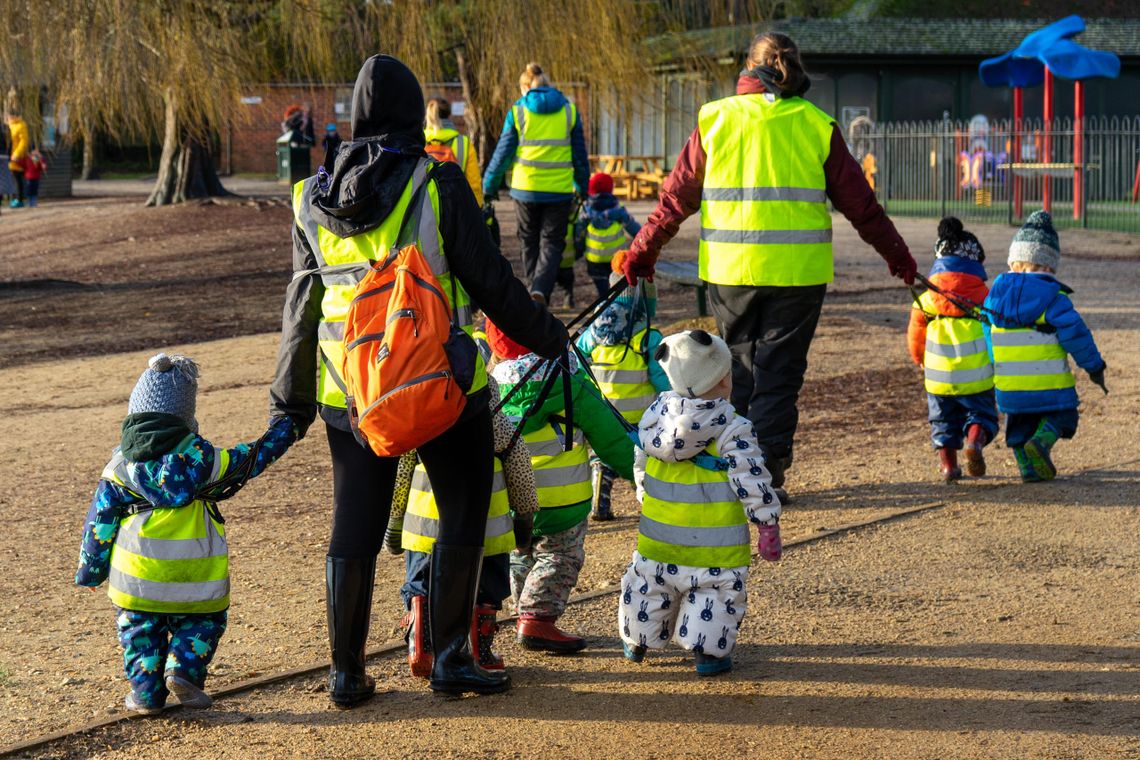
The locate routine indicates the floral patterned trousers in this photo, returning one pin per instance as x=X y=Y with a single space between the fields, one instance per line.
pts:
x=156 y=645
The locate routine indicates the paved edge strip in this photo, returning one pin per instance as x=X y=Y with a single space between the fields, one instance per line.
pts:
x=398 y=645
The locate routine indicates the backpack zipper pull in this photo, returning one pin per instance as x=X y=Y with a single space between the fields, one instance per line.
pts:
x=415 y=324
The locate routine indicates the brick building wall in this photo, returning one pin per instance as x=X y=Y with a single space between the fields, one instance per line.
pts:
x=248 y=144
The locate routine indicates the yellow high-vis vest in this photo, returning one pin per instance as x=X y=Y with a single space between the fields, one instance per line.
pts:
x=764 y=217
x=421 y=521
x=343 y=262
x=170 y=560
x=692 y=516
x=562 y=477
x=603 y=242
x=957 y=360
x=1026 y=359
x=623 y=376
x=544 y=161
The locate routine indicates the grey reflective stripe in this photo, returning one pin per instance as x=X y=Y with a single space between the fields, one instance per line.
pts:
x=157 y=591
x=544 y=164
x=638 y=404
x=959 y=375
x=617 y=237
x=729 y=535
x=765 y=237
x=460 y=151
x=465 y=317
x=418 y=525
x=805 y=194
x=520 y=120
x=627 y=376
x=552 y=447
x=344 y=275
x=213 y=544
x=556 y=477
x=544 y=143
x=605 y=251
x=216 y=470
x=421 y=483
x=1022 y=338
x=330 y=331
x=956 y=350
x=1043 y=367
x=688 y=493
x=499 y=526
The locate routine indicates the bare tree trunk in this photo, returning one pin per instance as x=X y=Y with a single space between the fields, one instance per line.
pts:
x=482 y=133
x=186 y=168
x=88 y=170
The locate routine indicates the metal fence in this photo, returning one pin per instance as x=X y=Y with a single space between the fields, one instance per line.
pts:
x=1086 y=175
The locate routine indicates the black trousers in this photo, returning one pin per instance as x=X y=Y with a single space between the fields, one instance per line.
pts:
x=542 y=229
x=19 y=177
x=769 y=330
x=458 y=464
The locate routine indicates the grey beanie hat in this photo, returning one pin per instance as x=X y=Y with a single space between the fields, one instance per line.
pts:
x=1036 y=242
x=168 y=385
x=694 y=361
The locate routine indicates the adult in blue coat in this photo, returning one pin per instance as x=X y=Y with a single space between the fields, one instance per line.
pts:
x=542 y=139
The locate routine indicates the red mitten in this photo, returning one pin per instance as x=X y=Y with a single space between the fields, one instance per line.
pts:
x=638 y=264
x=769 y=544
x=904 y=269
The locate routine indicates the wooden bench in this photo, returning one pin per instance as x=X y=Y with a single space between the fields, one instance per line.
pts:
x=685 y=273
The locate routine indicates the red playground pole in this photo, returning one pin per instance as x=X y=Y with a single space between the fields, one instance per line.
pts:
x=1046 y=150
x=1078 y=146
x=1018 y=115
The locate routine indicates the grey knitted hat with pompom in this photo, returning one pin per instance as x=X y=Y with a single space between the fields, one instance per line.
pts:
x=1036 y=242
x=168 y=385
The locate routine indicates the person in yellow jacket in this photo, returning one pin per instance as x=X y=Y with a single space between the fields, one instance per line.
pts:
x=19 y=132
x=446 y=143
x=701 y=480
x=760 y=169
x=155 y=534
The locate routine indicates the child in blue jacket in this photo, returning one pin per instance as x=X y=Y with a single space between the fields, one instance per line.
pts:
x=155 y=534
x=602 y=229
x=1035 y=329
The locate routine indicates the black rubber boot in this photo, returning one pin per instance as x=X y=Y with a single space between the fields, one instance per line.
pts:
x=349 y=602
x=451 y=601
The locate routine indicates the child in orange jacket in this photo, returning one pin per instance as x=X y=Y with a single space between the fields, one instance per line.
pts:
x=949 y=344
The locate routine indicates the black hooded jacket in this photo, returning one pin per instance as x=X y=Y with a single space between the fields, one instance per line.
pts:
x=367 y=177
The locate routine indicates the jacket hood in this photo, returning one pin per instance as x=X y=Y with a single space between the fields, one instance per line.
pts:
x=147 y=436
x=362 y=182
x=163 y=481
x=598 y=207
x=509 y=372
x=1018 y=299
x=676 y=429
x=542 y=100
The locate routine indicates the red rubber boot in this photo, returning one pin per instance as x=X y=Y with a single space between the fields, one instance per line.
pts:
x=419 y=650
x=542 y=634
x=976 y=439
x=948 y=465
x=484 y=626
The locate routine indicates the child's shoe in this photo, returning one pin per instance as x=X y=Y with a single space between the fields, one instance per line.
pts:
x=17 y=204
x=707 y=665
x=419 y=650
x=603 y=482
x=976 y=439
x=484 y=626
x=188 y=694
x=948 y=464
x=542 y=634
x=1037 y=451
x=1028 y=474
x=633 y=652
x=135 y=704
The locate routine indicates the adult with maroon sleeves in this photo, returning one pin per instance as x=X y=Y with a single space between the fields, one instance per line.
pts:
x=760 y=168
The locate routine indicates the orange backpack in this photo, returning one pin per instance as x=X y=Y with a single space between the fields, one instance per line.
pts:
x=441 y=151
x=407 y=364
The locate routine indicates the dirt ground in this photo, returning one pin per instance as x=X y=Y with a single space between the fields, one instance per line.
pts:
x=1004 y=624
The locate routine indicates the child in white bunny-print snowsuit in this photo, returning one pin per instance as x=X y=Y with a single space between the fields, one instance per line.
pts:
x=701 y=480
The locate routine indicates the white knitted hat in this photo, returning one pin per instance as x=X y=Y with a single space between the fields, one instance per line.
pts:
x=694 y=361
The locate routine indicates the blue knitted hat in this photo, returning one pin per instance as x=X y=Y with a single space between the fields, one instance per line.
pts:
x=1036 y=242
x=168 y=385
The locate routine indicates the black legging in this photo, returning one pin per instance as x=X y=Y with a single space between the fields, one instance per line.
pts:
x=459 y=464
x=19 y=177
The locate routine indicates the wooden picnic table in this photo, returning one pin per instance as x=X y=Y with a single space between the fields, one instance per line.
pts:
x=634 y=176
x=685 y=273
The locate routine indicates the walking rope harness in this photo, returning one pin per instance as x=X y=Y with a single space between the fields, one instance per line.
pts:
x=969 y=308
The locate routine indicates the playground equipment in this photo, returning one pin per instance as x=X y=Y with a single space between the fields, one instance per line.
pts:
x=1042 y=55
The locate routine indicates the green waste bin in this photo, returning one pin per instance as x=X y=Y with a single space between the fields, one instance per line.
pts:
x=293 y=162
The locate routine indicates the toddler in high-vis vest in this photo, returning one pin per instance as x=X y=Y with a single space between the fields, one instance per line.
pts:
x=1035 y=329
x=604 y=228
x=945 y=338
x=621 y=348
x=510 y=520
x=544 y=574
x=701 y=480
x=155 y=534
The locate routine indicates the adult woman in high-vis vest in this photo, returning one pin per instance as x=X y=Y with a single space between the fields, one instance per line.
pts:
x=760 y=168
x=543 y=139
x=344 y=222
x=440 y=132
